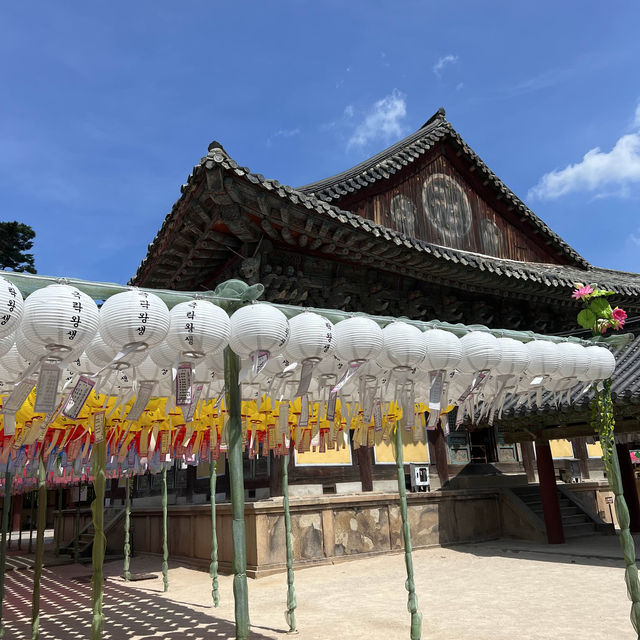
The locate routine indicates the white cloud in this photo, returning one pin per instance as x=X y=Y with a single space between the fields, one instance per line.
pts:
x=636 y=119
x=349 y=111
x=604 y=173
x=383 y=121
x=282 y=133
x=442 y=62
x=635 y=238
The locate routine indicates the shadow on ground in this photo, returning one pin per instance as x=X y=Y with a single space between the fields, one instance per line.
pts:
x=65 y=605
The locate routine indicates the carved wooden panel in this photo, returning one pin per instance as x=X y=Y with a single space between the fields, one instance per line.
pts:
x=436 y=204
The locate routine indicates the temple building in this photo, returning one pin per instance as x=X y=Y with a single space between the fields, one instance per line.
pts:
x=424 y=229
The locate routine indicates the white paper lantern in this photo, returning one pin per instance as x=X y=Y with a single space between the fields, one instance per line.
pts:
x=331 y=367
x=311 y=337
x=60 y=318
x=601 y=363
x=134 y=319
x=545 y=359
x=30 y=351
x=198 y=327
x=164 y=355
x=11 y=307
x=403 y=346
x=258 y=327
x=101 y=354
x=13 y=362
x=443 y=350
x=6 y=343
x=81 y=364
x=277 y=364
x=215 y=363
x=358 y=339
x=147 y=370
x=480 y=352
x=574 y=360
x=514 y=357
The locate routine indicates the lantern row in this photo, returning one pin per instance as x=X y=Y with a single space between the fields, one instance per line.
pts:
x=134 y=349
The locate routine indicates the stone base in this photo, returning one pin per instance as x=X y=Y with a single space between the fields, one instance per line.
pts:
x=325 y=528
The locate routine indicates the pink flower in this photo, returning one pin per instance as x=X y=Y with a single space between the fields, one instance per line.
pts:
x=619 y=315
x=582 y=293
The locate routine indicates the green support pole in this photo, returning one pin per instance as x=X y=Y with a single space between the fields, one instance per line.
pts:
x=626 y=541
x=8 y=482
x=290 y=614
x=236 y=476
x=412 y=604
x=31 y=527
x=37 y=573
x=99 y=539
x=213 y=567
x=127 y=524
x=165 y=547
x=76 y=530
x=604 y=421
x=59 y=522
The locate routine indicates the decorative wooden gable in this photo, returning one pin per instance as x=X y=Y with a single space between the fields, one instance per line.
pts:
x=436 y=204
x=433 y=187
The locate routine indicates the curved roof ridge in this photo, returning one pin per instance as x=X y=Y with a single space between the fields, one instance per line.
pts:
x=432 y=125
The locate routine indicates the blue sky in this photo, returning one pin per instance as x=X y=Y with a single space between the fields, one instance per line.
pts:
x=106 y=106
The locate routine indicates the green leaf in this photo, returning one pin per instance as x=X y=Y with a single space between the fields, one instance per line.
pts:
x=601 y=308
x=599 y=293
x=586 y=318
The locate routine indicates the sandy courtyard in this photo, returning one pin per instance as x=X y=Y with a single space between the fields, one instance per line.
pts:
x=492 y=591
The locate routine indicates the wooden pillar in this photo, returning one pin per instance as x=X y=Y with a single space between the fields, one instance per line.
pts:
x=581 y=453
x=366 y=467
x=16 y=515
x=439 y=444
x=275 y=476
x=549 y=494
x=528 y=460
x=191 y=482
x=629 y=489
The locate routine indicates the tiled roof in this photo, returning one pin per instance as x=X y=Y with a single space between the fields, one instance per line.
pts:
x=399 y=155
x=468 y=264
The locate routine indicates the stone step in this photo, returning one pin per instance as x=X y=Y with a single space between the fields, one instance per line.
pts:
x=580 y=529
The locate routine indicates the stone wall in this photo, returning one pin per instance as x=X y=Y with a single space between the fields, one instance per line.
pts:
x=326 y=529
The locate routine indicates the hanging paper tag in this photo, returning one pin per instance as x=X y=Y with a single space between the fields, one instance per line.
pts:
x=348 y=374
x=145 y=391
x=283 y=418
x=98 y=427
x=367 y=401
x=18 y=396
x=218 y=400
x=305 y=377
x=47 y=389
x=165 y=439
x=259 y=359
x=183 y=384
x=304 y=411
x=331 y=406
x=197 y=392
x=435 y=393
x=9 y=424
x=377 y=415
x=536 y=381
x=477 y=381
x=78 y=397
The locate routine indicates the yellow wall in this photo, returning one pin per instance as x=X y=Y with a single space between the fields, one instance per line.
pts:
x=595 y=450
x=331 y=457
x=411 y=451
x=561 y=449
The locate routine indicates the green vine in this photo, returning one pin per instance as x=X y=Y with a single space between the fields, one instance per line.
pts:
x=600 y=317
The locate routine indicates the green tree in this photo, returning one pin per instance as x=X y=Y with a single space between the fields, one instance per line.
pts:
x=16 y=239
